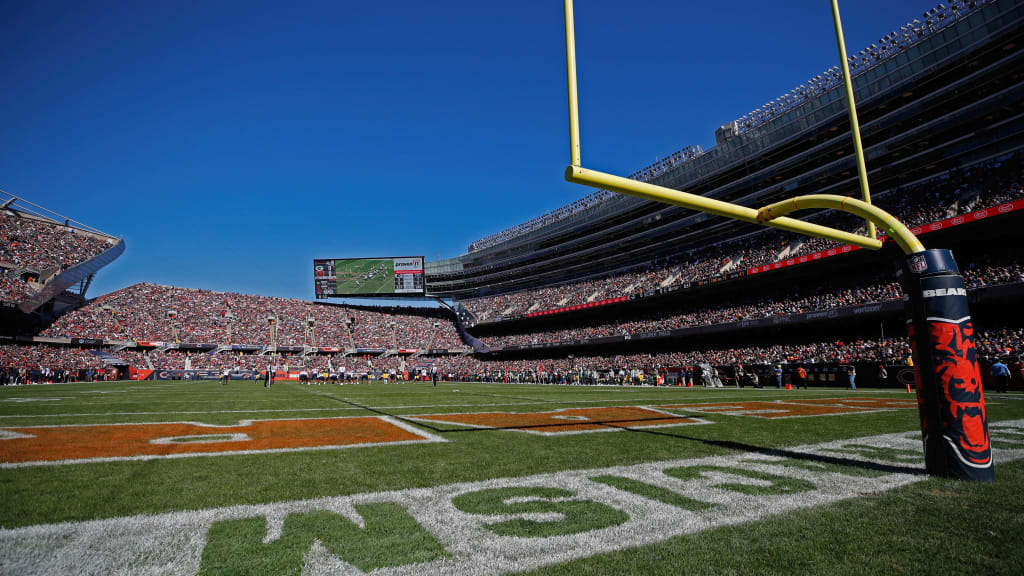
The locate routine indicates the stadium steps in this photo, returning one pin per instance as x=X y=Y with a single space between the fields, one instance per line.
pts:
x=430 y=344
x=167 y=346
x=670 y=280
x=221 y=348
x=108 y=358
x=46 y=275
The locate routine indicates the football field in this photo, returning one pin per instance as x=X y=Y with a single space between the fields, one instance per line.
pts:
x=367 y=276
x=472 y=478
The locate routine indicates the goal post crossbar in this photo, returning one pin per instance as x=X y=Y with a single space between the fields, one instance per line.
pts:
x=773 y=215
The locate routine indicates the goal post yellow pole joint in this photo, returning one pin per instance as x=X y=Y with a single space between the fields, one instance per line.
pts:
x=773 y=215
x=895 y=229
x=580 y=175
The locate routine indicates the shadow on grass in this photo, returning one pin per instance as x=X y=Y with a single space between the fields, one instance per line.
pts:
x=618 y=425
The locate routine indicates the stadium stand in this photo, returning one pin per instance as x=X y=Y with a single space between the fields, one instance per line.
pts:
x=939 y=102
x=63 y=363
x=967 y=191
x=975 y=276
x=43 y=254
x=154 y=313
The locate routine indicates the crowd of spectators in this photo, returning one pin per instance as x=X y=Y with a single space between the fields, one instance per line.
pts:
x=751 y=308
x=993 y=273
x=151 y=312
x=31 y=246
x=1007 y=344
x=958 y=192
x=1004 y=343
x=37 y=364
x=874 y=54
x=723 y=314
x=12 y=287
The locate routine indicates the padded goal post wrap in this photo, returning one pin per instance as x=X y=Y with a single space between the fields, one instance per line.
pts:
x=950 y=399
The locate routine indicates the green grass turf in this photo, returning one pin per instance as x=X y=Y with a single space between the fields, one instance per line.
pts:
x=874 y=534
x=933 y=527
x=352 y=271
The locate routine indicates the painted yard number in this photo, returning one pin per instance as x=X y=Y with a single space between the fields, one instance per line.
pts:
x=392 y=537
x=490 y=527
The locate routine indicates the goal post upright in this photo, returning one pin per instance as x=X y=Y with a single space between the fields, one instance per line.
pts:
x=951 y=402
x=851 y=107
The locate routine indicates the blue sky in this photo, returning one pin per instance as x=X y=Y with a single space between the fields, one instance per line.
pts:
x=230 y=143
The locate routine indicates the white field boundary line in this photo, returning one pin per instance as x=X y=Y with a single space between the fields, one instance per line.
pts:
x=539 y=429
x=425 y=438
x=353 y=408
x=173 y=543
x=739 y=411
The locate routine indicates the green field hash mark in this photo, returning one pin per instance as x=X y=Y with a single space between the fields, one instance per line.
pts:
x=779 y=484
x=391 y=538
x=663 y=495
x=577 y=515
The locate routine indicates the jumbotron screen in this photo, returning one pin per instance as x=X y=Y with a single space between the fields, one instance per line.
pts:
x=401 y=275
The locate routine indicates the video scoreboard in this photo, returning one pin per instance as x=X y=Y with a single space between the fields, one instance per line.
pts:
x=390 y=276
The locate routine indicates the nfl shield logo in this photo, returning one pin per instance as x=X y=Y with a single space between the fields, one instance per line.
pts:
x=918 y=264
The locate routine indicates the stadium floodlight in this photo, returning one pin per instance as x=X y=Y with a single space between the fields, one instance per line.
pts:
x=951 y=402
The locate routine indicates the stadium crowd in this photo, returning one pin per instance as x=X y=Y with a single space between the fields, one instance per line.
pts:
x=151 y=312
x=873 y=55
x=975 y=276
x=41 y=363
x=36 y=246
x=957 y=193
x=1006 y=344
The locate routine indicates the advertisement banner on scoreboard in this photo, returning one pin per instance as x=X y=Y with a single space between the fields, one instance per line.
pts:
x=408 y=265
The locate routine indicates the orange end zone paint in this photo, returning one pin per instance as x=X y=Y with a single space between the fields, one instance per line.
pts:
x=57 y=443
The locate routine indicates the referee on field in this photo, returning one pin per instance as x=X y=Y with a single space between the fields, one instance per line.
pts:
x=433 y=375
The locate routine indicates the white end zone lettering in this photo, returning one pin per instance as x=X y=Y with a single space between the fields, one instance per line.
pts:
x=466 y=519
